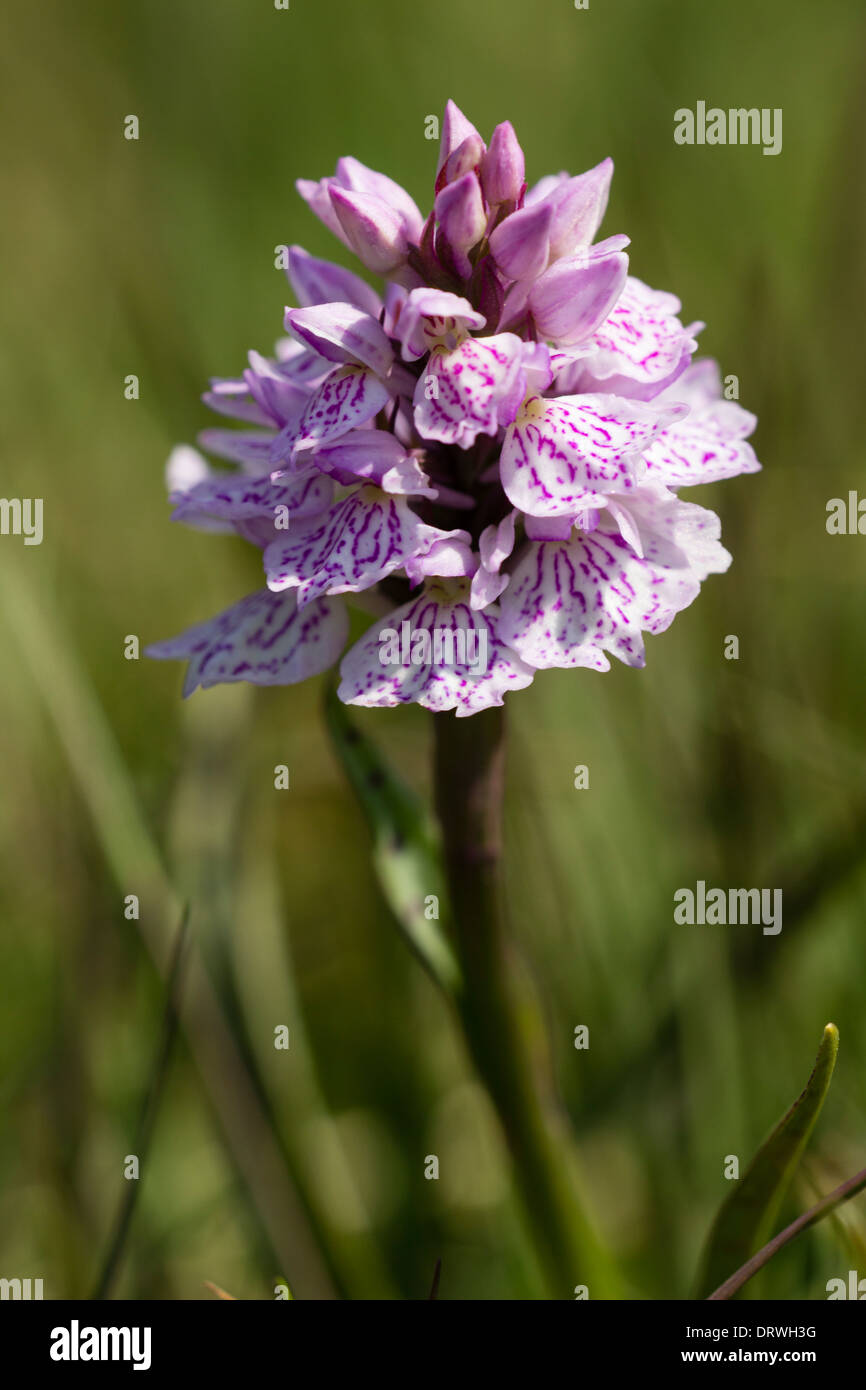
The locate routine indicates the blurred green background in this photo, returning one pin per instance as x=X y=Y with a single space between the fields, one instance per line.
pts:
x=156 y=258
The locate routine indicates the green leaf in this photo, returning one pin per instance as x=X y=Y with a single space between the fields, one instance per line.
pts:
x=746 y=1216
x=852 y=1187
x=406 y=851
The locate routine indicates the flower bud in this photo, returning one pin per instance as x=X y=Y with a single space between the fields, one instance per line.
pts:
x=373 y=230
x=455 y=129
x=502 y=169
x=461 y=217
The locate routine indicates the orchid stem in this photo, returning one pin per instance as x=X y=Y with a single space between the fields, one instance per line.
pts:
x=469 y=778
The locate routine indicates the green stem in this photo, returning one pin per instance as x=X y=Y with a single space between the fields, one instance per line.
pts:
x=470 y=778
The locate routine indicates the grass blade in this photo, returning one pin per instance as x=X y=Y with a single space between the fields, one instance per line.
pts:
x=133 y=856
x=149 y=1112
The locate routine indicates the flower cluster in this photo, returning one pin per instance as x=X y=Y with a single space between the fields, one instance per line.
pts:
x=492 y=447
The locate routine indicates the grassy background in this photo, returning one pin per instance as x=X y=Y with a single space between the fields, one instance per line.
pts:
x=156 y=258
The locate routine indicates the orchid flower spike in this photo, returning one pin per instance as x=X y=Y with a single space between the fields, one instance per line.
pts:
x=486 y=449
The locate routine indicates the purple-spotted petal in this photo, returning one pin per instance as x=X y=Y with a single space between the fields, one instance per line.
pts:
x=301 y=365
x=571 y=601
x=707 y=446
x=363 y=538
x=264 y=639
x=641 y=347
x=677 y=534
x=474 y=389
x=349 y=397
x=234 y=497
x=431 y=318
x=559 y=455
x=438 y=652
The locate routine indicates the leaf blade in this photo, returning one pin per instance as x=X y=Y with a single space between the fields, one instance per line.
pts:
x=406 y=852
x=745 y=1217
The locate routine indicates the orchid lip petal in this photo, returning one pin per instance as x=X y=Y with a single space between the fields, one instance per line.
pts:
x=561 y=455
x=475 y=388
x=430 y=317
x=235 y=497
x=467 y=667
x=572 y=601
x=357 y=543
x=349 y=397
x=264 y=639
x=709 y=444
x=640 y=348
